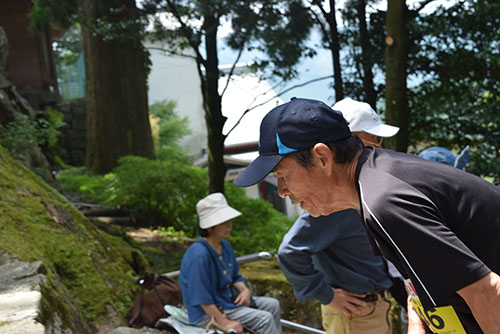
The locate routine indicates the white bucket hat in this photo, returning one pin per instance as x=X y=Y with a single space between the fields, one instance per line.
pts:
x=214 y=210
x=362 y=118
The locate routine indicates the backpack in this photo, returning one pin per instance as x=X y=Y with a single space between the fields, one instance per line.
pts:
x=148 y=307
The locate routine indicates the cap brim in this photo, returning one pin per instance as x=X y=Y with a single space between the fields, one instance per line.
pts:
x=383 y=130
x=258 y=170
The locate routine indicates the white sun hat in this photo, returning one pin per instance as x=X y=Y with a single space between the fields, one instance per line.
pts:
x=214 y=210
x=362 y=118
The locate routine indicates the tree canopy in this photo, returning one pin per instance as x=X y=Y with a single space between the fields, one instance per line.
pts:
x=278 y=29
x=452 y=69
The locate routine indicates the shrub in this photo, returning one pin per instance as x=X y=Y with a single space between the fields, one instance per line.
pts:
x=165 y=191
x=169 y=131
x=259 y=228
x=50 y=128
x=20 y=135
x=80 y=185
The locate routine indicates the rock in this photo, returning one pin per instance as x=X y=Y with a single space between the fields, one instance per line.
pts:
x=24 y=293
x=144 y=330
x=82 y=277
x=125 y=330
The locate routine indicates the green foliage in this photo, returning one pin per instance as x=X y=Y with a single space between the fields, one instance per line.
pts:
x=69 y=47
x=52 y=125
x=51 y=130
x=351 y=45
x=165 y=191
x=20 y=135
x=171 y=232
x=45 y=12
x=84 y=186
x=259 y=228
x=457 y=101
x=171 y=129
x=277 y=29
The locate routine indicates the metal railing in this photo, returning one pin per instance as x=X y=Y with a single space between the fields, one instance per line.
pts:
x=299 y=327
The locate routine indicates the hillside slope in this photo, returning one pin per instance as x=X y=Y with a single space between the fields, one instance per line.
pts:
x=89 y=272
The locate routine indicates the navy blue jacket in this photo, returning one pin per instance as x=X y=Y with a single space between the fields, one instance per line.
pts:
x=318 y=254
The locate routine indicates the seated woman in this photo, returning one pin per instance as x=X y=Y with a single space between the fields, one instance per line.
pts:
x=209 y=268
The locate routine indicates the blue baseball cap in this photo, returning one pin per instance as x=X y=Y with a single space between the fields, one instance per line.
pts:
x=443 y=155
x=292 y=126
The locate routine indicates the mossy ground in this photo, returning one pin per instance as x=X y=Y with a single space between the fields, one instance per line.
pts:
x=37 y=223
x=97 y=269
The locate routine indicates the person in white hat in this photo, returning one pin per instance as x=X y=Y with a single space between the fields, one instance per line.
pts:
x=365 y=122
x=210 y=278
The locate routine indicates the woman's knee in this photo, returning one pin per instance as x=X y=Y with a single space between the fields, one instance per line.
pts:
x=275 y=303
x=271 y=304
x=266 y=318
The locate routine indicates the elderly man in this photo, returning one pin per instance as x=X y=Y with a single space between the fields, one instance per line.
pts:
x=329 y=259
x=440 y=226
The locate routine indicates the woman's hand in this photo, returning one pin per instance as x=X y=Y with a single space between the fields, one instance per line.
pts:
x=243 y=298
x=231 y=324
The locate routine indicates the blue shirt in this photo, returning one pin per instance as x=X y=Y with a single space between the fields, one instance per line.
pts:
x=205 y=283
x=318 y=254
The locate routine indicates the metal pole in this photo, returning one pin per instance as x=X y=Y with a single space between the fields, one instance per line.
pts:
x=241 y=260
x=302 y=328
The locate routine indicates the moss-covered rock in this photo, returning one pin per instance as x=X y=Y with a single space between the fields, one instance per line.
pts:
x=38 y=224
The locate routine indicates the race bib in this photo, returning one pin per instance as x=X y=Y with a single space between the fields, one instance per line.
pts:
x=441 y=320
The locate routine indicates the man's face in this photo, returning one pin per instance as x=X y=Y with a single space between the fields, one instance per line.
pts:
x=369 y=139
x=305 y=186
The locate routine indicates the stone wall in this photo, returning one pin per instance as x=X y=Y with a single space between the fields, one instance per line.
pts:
x=73 y=136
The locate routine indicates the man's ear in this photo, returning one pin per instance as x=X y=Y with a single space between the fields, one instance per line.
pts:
x=322 y=156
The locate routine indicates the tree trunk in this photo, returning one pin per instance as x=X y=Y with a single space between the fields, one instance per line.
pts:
x=396 y=56
x=335 y=50
x=117 y=105
x=213 y=109
x=368 y=86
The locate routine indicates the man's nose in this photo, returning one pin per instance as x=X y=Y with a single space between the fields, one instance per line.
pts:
x=282 y=189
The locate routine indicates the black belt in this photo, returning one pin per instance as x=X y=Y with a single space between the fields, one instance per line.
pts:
x=372 y=296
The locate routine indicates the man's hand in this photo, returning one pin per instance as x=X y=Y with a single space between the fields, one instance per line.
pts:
x=244 y=296
x=415 y=324
x=347 y=302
